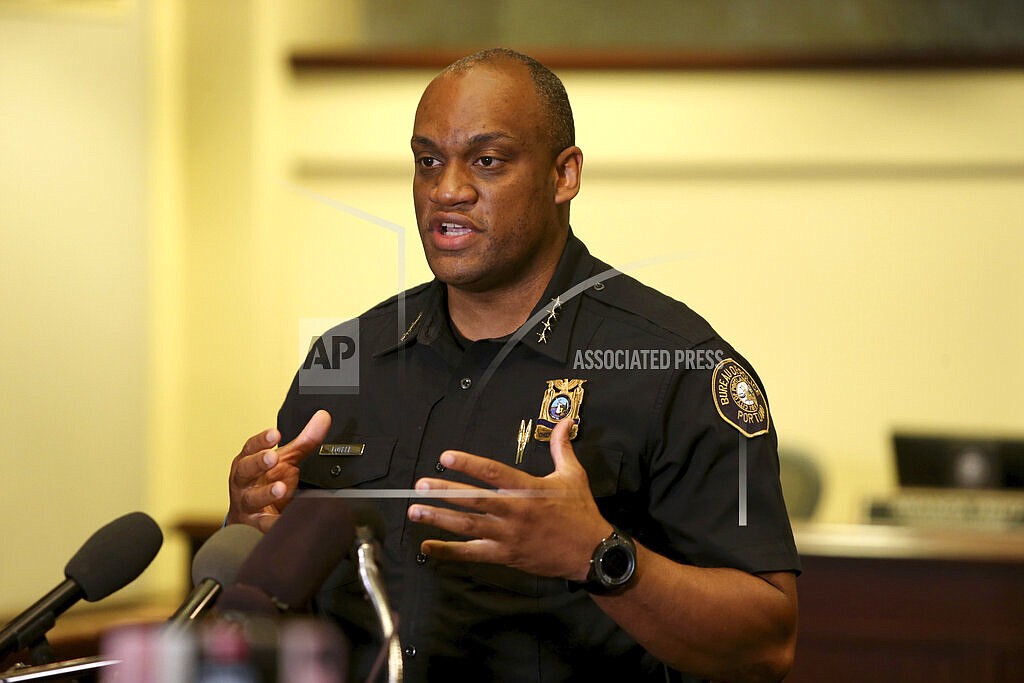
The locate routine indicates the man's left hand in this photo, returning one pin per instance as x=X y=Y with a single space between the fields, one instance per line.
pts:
x=547 y=526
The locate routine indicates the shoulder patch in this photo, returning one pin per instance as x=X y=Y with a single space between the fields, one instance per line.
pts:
x=738 y=399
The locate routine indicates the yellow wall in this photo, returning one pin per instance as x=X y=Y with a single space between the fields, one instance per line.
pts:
x=74 y=283
x=856 y=235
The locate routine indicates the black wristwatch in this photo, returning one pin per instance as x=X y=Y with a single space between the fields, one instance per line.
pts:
x=612 y=565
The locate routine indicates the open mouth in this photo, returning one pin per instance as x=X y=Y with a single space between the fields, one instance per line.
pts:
x=453 y=229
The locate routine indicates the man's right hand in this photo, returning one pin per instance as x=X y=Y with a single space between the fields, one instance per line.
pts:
x=263 y=479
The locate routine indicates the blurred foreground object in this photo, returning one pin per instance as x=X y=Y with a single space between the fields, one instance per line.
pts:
x=258 y=650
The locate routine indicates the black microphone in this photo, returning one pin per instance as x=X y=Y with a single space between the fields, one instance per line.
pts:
x=112 y=558
x=215 y=566
x=288 y=566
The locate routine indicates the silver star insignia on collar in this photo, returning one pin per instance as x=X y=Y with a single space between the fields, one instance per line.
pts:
x=552 y=312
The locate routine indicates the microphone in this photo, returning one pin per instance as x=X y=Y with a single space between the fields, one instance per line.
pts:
x=370 y=530
x=287 y=567
x=215 y=566
x=112 y=558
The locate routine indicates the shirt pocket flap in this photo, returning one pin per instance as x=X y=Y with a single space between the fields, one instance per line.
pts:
x=514 y=580
x=358 y=460
x=603 y=466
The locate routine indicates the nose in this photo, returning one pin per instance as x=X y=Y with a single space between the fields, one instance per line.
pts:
x=453 y=186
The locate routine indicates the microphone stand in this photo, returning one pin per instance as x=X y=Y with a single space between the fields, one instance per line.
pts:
x=40 y=651
x=370 y=576
x=84 y=668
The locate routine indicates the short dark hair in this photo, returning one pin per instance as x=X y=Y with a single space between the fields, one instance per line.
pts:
x=549 y=88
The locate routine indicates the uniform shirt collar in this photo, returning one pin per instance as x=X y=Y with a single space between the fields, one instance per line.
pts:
x=427 y=320
x=550 y=333
x=548 y=330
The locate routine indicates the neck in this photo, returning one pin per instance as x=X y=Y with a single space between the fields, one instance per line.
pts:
x=494 y=314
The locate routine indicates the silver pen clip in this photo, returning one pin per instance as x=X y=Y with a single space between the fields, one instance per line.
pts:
x=523 y=439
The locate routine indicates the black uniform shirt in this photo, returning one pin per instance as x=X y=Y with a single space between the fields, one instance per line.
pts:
x=664 y=448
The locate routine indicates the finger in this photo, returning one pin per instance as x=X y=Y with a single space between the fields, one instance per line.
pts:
x=266 y=520
x=255 y=498
x=562 y=452
x=311 y=436
x=469 y=524
x=268 y=438
x=488 y=471
x=463 y=495
x=476 y=550
x=249 y=468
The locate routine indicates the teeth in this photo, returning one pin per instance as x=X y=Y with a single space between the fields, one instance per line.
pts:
x=454 y=229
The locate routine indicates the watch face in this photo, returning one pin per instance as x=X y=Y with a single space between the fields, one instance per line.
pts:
x=617 y=565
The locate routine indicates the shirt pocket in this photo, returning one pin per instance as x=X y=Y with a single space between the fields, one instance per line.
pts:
x=348 y=461
x=603 y=465
x=514 y=580
x=604 y=468
x=352 y=461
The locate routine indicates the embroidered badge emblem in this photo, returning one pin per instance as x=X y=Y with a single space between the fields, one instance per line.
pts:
x=562 y=401
x=738 y=399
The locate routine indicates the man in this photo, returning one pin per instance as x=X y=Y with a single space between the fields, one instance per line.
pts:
x=602 y=529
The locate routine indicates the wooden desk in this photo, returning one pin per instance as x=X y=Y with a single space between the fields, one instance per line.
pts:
x=898 y=604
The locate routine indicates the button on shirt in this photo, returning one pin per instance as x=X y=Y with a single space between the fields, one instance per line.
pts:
x=662 y=462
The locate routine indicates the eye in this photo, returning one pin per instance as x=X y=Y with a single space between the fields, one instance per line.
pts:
x=489 y=162
x=427 y=162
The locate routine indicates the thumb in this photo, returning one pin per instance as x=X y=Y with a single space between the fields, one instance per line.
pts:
x=312 y=435
x=562 y=452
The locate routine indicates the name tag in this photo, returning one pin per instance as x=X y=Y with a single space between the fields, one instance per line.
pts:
x=342 y=448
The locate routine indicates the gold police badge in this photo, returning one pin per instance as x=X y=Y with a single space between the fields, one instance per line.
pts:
x=562 y=401
x=738 y=399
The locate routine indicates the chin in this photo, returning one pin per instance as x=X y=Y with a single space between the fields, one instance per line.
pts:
x=463 y=282
x=452 y=271
x=467 y=282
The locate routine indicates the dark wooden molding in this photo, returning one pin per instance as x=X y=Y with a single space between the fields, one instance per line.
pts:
x=305 y=60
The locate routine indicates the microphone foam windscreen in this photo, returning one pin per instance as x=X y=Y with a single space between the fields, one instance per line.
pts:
x=115 y=555
x=223 y=554
x=300 y=550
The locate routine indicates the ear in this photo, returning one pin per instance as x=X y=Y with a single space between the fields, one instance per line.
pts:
x=568 y=168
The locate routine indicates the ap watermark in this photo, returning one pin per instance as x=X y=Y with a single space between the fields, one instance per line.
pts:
x=647 y=359
x=331 y=361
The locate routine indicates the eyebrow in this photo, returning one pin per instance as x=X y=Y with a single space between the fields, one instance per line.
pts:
x=475 y=141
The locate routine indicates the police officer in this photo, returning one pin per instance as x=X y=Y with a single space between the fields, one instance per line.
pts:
x=612 y=545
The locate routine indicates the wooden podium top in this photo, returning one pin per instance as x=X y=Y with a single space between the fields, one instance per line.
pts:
x=908 y=543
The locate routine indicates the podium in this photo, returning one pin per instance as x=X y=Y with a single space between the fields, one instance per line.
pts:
x=904 y=604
